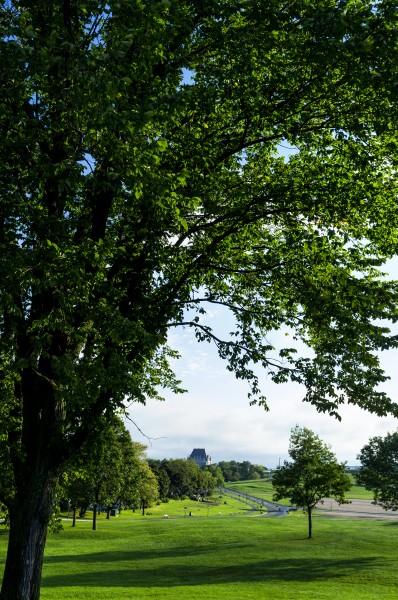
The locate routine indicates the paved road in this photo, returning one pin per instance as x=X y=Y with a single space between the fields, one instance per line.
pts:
x=273 y=509
x=357 y=509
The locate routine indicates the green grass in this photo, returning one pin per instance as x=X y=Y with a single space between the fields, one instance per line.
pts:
x=263 y=489
x=222 y=558
x=216 y=505
x=260 y=488
x=359 y=492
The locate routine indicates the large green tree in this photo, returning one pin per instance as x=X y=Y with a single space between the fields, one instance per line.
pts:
x=379 y=469
x=142 y=181
x=313 y=474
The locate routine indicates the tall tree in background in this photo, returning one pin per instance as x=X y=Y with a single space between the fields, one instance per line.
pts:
x=313 y=474
x=146 y=486
x=108 y=470
x=141 y=182
x=163 y=480
x=379 y=469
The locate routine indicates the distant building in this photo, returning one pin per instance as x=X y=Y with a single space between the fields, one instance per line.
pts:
x=200 y=457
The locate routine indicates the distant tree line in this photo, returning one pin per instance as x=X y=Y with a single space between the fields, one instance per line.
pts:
x=238 y=471
x=179 y=478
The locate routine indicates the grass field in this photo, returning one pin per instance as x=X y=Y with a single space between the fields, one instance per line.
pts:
x=263 y=489
x=216 y=506
x=222 y=557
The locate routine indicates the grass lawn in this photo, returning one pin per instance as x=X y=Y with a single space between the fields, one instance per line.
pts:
x=214 y=507
x=263 y=489
x=222 y=558
x=260 y=488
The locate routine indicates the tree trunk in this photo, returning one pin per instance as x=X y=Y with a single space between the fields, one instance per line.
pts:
x=29 y=518
x=94 y=519
x=309 y=511
x=74 y=517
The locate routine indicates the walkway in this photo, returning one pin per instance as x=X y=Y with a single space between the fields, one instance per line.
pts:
x=273 y=509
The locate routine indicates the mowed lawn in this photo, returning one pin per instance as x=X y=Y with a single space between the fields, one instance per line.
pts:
x=262 y=488
x=222 y=558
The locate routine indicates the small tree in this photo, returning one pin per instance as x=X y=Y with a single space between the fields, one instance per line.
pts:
x=147 y=488
x=379 y=470
x=314 y=473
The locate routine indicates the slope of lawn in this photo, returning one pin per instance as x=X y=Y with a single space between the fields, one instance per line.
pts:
x=221 y=558
x=215 y=506
x=262 y=488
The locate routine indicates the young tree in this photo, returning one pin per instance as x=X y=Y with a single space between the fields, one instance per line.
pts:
x=313 y=474
x=141 y=182
x=146 y=486
x=379 y=469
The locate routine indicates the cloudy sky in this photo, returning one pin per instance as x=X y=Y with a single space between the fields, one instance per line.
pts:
x=215 y=413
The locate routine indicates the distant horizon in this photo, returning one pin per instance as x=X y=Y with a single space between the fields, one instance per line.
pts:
x=215 y=462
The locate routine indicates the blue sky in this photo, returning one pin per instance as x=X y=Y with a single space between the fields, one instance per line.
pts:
x=215 y=413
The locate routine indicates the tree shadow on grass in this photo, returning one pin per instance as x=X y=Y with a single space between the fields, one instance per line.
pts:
x=132 y=556
x=186 y=574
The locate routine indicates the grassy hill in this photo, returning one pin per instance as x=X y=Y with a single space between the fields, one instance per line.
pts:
x=262 y=488
x=222 y=552
x=221 y=558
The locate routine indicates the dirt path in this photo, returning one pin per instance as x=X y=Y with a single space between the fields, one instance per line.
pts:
x=358 y=509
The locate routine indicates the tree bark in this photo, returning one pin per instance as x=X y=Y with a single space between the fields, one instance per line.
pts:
x=29 y=518
x=309 y=511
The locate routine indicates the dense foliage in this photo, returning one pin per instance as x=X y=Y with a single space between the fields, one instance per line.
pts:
x=379 y=469
x=233 y=470
x=142 y=183
x=178 y=478
x=313 y=474
x=110 y=470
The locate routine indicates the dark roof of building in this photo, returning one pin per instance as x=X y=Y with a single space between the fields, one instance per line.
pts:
x=199 y=452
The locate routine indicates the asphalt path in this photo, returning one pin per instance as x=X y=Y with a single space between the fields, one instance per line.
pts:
x=273 y=509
